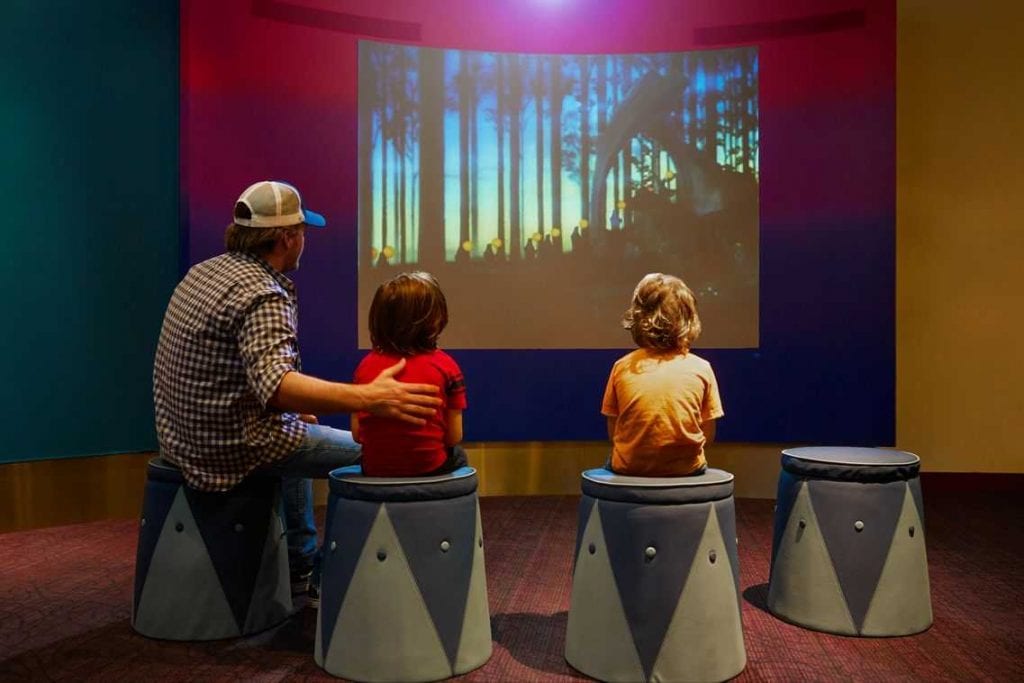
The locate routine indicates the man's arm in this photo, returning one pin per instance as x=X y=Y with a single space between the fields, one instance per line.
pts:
x=384 y=396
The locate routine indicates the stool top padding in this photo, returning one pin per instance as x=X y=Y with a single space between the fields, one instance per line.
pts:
x=349 y=482
x=163 y=470
x=847 y=463
x=606 y=485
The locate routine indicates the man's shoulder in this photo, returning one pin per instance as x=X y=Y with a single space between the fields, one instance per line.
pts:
x=239 y=273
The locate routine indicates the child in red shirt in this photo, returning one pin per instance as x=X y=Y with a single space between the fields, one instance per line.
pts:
x=407 y=316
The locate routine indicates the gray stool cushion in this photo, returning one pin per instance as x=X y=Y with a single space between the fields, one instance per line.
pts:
x=209 y=565
x=403 y=588
x=655 y=594
x=848 y=551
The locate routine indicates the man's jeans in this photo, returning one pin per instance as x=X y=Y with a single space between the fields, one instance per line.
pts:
x=324 y=449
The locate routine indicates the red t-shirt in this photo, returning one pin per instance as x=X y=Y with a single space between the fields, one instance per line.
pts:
x=392 y=448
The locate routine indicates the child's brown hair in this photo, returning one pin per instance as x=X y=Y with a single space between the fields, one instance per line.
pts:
x=663 y=315
x=408 y=314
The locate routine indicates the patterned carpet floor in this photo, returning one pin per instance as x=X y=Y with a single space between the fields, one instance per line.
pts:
x=65 y=596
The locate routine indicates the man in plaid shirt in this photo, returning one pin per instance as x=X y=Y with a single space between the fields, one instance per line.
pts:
x=228 y=389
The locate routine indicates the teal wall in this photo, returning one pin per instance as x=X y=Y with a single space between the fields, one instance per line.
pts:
x=89 y=213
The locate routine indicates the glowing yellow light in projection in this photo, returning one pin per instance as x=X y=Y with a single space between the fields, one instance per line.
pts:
x=389 y=251
x=621 y=205
x=496 y=243
x=467 y=246
x=536 y=237
x=670 y=175
x=584 y=222
x=555 y=232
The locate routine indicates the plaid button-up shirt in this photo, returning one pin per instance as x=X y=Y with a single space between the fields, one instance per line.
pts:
x=229 y=336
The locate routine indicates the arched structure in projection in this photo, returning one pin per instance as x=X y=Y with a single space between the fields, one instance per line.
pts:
x=647 y=111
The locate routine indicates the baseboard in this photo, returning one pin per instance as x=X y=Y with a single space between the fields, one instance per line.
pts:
x=46 y=493
x=943 y=483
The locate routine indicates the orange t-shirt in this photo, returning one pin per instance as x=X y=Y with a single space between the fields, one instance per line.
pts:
x=659 y=401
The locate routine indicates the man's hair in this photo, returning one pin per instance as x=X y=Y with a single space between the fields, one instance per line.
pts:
x=408 y=314
x=253 y=241
x=663 y=315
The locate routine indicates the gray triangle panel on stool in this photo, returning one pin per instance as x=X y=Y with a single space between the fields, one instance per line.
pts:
x=272 y=596
x=346 y=531
x=583 y=516
x=475 y=643
x=789 y=487
x=182 y=598
x=902 y=601
x=385 y=632
x=234 y=527
x=704 y=641
x=650 y=589
x=155 y=506
x=858 y=556
x=725 y=510
x=441 y=575
x=598 y=641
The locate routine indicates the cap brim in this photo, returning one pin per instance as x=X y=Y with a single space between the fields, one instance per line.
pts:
x=313 y=219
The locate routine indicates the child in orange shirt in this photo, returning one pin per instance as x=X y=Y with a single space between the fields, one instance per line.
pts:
x=661 y=400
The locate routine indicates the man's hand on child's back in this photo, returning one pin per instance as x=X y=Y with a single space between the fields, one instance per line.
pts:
x=387 y=397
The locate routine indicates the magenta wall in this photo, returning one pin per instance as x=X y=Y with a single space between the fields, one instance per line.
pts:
x=268 y=91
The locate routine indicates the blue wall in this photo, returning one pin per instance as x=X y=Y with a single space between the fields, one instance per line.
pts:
x=89 y=197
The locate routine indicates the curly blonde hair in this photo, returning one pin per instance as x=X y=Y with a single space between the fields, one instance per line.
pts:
x=663 y=315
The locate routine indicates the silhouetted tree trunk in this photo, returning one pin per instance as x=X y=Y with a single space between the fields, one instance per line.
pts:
x=602 y=106
x=585 y=137
x=616 y=98
x=463 y=90
x=367 y=102
x=401 y=149
x=403 y=212
x=384 y=177
x=538 y=98
x=474 y=148
x=395 y=206
x=515 y=103
x=556 y=146
x=431 y=167
x=500 y=65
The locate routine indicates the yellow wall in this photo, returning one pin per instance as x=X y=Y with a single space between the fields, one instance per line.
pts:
x=960 y=234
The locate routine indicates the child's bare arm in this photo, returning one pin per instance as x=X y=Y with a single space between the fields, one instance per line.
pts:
x=709 y=431
x=355 y=428
x=454 y=432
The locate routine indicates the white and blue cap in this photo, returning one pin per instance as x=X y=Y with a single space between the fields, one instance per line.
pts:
x=273 y=204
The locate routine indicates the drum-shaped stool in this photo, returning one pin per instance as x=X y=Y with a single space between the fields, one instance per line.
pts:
x=209 y=565
x=848 y=552
x=403 y=594
x=655 y=590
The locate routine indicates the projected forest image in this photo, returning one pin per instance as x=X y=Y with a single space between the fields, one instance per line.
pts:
x=538 y=189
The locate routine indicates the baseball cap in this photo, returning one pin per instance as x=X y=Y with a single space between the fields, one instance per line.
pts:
x=274 y=204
